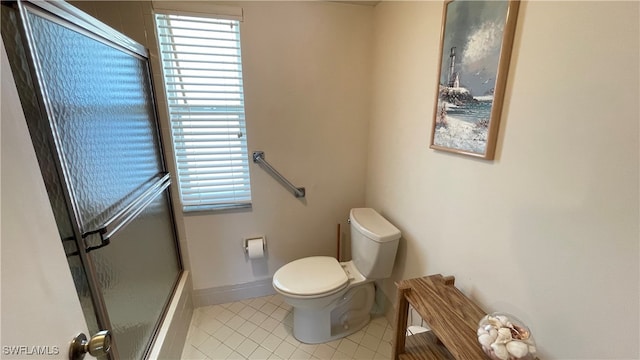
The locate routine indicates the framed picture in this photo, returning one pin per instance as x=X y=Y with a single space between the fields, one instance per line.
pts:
x=475 y=50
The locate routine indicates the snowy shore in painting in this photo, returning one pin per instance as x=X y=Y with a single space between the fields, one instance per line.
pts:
x=463 y=126
x=461 y=135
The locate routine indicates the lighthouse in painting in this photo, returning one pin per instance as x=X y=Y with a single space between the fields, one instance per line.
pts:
x=453 y=81
x=452 y=92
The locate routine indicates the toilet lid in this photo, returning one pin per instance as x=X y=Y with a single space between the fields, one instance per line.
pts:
x=311 y=276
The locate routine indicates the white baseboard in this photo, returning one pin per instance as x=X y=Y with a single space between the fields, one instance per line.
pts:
x=229 y=293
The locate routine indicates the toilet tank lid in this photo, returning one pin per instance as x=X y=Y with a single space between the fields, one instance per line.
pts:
x=373 y=225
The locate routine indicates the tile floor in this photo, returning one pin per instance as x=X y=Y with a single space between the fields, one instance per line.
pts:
x=260 y=328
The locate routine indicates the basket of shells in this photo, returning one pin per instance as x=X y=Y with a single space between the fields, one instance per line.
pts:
x=504 y=337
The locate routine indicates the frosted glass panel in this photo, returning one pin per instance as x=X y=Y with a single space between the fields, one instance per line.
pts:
x=99 y=108
x=136 y=272
x=103 y=113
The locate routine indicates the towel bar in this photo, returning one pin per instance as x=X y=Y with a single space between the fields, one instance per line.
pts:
x=128 y=213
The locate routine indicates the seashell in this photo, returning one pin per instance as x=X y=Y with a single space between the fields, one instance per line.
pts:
x=485 y=340
x=518 y=332
x=532 y=348
x=500 y=351
x=503 y=319
x=509 y=325
x=517 y=348
x=494 y=334
x=494 y=321
x=504 y=335
x=482 y=331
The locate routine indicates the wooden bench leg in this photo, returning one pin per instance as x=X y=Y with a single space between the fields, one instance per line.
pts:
x=402 y=312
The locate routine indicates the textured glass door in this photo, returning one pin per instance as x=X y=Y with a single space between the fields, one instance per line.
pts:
x=136 y=273
x=97 y=122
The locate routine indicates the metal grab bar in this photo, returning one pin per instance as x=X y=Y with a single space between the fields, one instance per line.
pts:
x=123 y=217
x=258 y=157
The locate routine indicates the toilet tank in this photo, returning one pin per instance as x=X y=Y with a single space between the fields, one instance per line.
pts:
x=374 y=242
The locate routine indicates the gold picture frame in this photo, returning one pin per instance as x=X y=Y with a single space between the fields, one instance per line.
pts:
x=476 y=41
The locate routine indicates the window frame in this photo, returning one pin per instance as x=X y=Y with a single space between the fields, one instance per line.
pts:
x=207 y=204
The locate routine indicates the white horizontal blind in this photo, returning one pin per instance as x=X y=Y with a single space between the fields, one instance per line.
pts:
x=202 y=71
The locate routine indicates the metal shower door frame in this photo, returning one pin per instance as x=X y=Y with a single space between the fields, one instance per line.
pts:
x=70 y=17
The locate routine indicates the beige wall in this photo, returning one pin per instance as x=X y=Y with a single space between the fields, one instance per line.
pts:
x=549 y=230
x=306 y=72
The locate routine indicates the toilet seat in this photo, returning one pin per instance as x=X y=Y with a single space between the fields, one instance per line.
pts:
x=314 y=276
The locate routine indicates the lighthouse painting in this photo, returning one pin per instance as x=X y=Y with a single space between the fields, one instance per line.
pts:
x=475 y=51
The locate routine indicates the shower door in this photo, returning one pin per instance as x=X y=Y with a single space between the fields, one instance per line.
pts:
x=87 y=95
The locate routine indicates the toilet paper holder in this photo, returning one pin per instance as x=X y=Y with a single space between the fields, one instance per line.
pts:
x=245 y=243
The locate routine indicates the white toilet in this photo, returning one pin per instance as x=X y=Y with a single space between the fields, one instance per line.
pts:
x=331 y=300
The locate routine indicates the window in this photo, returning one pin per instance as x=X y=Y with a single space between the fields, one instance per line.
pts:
x=202 y=71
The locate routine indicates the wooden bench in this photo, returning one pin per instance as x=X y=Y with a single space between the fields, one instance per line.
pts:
x=451 y=316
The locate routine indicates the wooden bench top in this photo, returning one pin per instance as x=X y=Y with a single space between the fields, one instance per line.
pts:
x=452 y=317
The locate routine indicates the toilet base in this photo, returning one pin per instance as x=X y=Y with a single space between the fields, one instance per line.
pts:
x=342 y=317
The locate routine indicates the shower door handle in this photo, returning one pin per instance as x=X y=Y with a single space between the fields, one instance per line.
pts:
x=126 y=215
x=98 y=345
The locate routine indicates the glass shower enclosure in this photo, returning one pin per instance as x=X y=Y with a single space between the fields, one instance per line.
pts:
x=87 y=95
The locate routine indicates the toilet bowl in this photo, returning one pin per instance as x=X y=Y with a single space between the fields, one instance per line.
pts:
x=330 y=299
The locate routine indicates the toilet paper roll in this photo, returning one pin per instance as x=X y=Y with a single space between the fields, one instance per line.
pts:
x=255 y=248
